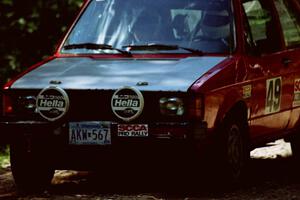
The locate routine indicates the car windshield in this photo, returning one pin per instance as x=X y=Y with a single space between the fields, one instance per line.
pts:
x=202 y=25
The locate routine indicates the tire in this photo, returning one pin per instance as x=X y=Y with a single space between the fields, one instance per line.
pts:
x=295 y=146
x=30 y=169
x=234 y=151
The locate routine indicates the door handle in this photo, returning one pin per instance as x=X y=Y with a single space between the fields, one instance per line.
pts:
x=286 y=61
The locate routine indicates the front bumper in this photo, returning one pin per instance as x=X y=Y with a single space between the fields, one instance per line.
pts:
x=166 y=142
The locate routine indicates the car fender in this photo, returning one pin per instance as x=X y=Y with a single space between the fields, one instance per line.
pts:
x=218 y=104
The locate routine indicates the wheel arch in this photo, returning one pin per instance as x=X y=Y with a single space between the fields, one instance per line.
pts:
x=239 y=110
x=240 y=107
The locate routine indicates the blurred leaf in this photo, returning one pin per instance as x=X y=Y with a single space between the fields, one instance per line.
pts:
x=7 y=2
x=31 y=27
x=22 y=21
x=10 y=14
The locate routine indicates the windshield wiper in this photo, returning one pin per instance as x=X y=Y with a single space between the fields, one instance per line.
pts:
x=94 y=46
x=166 y=47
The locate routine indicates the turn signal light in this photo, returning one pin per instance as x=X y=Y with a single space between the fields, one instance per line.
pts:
x=196 y=108
x=7 y=105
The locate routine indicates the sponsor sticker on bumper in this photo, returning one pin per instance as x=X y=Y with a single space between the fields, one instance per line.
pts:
x=133 y=130
x=89 y=133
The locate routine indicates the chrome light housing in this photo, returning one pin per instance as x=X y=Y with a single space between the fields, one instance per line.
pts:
x=172 y=106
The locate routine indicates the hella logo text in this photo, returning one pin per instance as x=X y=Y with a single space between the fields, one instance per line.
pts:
x=51 y=103
x=126 y=103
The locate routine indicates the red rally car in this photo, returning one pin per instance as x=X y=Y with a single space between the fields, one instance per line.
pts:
x=140 y=79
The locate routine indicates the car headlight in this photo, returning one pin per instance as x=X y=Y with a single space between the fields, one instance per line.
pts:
x=27 y=103
x=171 y=106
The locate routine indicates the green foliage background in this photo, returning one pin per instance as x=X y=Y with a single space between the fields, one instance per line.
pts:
x=30 y=31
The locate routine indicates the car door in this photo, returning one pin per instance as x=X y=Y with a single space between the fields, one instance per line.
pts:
x=270 y=80
x=288 y=12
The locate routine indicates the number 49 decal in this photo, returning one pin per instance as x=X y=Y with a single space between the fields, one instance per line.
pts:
x=273 y=97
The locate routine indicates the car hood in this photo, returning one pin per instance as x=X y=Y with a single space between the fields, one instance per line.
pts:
x=145 y=74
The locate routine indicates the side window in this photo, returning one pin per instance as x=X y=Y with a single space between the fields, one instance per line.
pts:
x=262 y=26
x=289 y=22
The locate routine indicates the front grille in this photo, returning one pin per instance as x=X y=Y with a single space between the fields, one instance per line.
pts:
x=91 y=105
x=87 y=105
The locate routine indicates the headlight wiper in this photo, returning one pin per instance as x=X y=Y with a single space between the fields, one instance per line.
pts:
x=94 y=46
x=166 y=47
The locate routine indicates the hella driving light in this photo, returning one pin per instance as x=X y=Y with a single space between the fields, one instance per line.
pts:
x=171 y=106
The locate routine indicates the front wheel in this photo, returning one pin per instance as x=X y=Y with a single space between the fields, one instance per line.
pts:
x=30 y=169
x=295 y=147
x=233 y=150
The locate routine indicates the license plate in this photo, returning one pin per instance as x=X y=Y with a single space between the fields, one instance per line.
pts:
x=133 y=130
x=89 y=133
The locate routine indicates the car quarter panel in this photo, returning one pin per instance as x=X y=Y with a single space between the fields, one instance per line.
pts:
x=294 y=56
